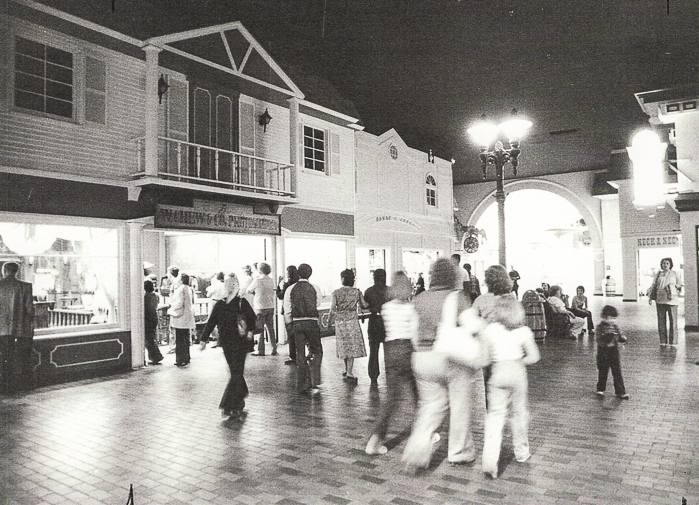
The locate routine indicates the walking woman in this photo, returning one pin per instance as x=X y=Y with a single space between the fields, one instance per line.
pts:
x=401 y=323
x=666 y=293
x=236 y=321
x=343 y=311
x=442 y=386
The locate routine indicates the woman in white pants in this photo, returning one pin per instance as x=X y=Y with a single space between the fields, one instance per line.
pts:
x=511 y=347
x=443 y=387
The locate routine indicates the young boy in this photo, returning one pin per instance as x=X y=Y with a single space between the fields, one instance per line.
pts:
x=608 y=338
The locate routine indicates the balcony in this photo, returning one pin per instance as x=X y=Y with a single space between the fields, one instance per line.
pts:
x=194 y=166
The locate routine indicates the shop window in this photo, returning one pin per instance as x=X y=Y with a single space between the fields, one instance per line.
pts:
x=74 y=271
x=431 y=190
x=314 y=144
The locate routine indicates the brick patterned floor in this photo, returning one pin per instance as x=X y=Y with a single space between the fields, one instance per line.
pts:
x=159 y=429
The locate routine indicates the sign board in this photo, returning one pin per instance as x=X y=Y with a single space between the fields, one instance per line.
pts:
x=223 y=219
x=667 y=241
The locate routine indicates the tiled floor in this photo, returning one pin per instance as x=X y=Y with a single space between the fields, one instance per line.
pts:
x=160 y=430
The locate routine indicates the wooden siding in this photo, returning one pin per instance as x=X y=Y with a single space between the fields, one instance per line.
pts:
x=79 y=147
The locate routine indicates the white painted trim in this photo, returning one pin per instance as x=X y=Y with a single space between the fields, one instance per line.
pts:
x=85 y=343
x=79 y=21
x=164 y=41
x=191 y=34
x=224 y=69
x=66 y=176
x=331 y=112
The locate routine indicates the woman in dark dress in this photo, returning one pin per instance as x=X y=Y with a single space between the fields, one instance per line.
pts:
x=236 y=321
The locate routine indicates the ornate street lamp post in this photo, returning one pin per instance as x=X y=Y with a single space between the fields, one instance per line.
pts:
x=484 y=133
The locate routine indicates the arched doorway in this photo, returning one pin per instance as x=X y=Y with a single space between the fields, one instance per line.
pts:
x=551 y=237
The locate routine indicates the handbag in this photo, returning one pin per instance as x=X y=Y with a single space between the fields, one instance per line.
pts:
x=457 y=335
x=653 y=289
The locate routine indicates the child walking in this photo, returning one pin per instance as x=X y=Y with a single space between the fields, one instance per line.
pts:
x=608 y=338
x=401 y=323
x=511 y=347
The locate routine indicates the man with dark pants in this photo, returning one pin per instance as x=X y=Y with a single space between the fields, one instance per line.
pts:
x=376 y=296
x=16 y=330
x=301 y=310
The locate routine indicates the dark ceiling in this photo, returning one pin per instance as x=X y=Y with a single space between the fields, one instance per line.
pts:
x=430 y=68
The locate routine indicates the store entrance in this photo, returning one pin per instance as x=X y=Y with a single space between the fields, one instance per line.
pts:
x=649 y=265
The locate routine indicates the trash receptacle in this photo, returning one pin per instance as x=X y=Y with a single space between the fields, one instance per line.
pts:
x=609 y=286
x=534 y=316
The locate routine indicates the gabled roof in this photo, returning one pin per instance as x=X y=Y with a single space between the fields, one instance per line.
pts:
x=227 y=47
x=230 y=48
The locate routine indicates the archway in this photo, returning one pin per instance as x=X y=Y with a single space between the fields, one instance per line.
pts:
x=552 y=236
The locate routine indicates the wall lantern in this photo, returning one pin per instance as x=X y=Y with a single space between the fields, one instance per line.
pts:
x=265 y=118
x=647 y=154
x=162 y=88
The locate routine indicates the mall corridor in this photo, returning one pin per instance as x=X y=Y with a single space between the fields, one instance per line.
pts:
x=159 y=429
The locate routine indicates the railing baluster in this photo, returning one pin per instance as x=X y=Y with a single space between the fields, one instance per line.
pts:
x=179 y=158
x=216 y=164
x=199 y=162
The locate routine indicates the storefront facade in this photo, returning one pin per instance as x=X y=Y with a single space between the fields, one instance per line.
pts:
x=104 y=181
x=404 y=216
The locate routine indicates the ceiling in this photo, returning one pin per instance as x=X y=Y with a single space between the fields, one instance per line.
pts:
x=430 y=68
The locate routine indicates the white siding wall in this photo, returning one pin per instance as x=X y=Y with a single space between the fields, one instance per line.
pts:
x=77 y=147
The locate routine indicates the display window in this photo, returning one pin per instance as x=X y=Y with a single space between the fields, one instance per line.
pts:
x=74 y=271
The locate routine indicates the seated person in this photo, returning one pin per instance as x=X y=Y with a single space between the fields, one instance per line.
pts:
x=579 y=307
x=546 y=289
x=558 y=306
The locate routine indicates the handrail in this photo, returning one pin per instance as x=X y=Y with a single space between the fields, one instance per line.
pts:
x=186 y=142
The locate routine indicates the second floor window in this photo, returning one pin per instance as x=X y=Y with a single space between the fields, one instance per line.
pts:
x=314 y=149
x=431 y=190
x=43 y=78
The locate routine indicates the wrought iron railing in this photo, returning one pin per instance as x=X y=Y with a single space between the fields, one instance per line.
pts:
x=199 y=164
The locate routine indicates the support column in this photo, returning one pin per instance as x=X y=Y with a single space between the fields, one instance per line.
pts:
x=136 y=313
x=151 y=111
x=294 y=125
x=500 y=199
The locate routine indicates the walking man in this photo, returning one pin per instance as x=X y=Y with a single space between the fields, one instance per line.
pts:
x=16 y=330
x=376 y=296
x=301 y=303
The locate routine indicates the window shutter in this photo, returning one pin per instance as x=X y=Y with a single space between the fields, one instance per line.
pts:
x=302 y=155
x=177 y=98
x=334 y=154
x=95 y=90
x=247 y=128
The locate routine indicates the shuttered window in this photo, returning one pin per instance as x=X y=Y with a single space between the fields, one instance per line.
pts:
x=314 y=149
x=43 y=78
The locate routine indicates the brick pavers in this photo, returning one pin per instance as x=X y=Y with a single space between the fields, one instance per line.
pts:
x=159 y=429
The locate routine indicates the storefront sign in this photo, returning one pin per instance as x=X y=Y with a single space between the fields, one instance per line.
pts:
x=224 y=219
x=412 y=224
x=669 y=241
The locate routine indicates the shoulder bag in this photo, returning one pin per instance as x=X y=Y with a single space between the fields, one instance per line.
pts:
x=457 y=335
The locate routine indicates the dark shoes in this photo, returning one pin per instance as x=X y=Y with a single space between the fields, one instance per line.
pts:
x=182 y=364
x=156 y=362
x=290 y=362
x=351 y=380
x=623 y=397
x=258 y=354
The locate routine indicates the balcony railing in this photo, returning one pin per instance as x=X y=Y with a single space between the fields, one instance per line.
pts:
x=183 y=161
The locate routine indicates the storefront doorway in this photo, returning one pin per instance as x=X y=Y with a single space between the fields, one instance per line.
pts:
x=416 y=264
